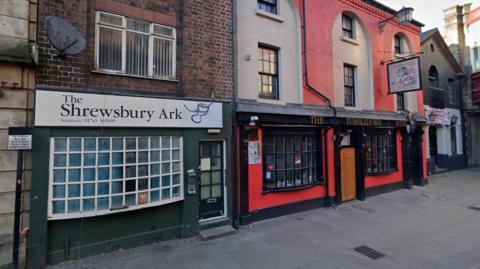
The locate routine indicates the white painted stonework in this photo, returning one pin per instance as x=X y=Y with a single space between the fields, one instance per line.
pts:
x=356 y=52
x=282 y=31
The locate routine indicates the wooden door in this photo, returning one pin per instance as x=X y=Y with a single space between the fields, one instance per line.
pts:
x=348 y=174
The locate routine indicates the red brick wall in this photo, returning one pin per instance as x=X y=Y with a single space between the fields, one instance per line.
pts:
x=321 y=16
x=204 y=46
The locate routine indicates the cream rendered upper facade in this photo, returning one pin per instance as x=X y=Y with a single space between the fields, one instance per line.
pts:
x=280 y=32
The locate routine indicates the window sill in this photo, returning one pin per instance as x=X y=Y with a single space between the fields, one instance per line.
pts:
x=291 y=189
x=350 y=40
x=132 y=76
x=269 y=15
x=268 y=98
x=381 y=173
x=401 y=56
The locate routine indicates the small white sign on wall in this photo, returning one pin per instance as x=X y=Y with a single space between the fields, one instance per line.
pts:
x=19 y=142
x=254 y=152
x=56 y=108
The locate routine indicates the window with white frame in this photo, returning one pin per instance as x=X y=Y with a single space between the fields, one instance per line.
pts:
x=348 y=27
x=134 y=47
x=101 y=175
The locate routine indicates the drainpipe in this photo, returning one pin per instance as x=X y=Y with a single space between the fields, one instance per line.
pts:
x=316 y=92
x=236 y=182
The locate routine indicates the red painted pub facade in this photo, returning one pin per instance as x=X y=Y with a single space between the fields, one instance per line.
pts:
x=346 y=138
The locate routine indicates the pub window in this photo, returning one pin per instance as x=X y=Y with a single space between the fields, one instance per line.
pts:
x=268 y=72
x=92 y=176
x=291 y=161
x=134 y=47
x=398 y=44
x=349 y=84
x=381 y=153
x=269 y=6
x=400 y=101
x=347 y=27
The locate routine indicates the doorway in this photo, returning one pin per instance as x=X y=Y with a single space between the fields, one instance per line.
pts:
x=212 y=180
x=348 y=174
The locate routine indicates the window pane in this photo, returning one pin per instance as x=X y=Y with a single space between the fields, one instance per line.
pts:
x=137 y=54
x=111 y=19
x=110 y=49
x=163 y=58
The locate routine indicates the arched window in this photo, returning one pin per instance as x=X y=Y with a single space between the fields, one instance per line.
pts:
x=348 y=27
x=398 y=44
x=433 y=80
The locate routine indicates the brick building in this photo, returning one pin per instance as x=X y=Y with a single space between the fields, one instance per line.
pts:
x=126 y=125
x=17 y=79
x=319 y=121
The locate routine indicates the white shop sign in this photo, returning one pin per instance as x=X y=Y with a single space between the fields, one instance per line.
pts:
x=54 y=108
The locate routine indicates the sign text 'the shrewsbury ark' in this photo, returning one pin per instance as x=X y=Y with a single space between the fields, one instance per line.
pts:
x=56 y=108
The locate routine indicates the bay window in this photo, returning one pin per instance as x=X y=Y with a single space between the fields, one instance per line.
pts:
x=101 y=175
x=134 y=47
x=291 y=161
x=380 y=153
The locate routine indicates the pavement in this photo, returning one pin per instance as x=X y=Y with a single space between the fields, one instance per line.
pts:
x=437 y=226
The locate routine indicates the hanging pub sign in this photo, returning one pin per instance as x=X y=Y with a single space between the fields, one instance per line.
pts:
x=55 y=108
x=404 y=76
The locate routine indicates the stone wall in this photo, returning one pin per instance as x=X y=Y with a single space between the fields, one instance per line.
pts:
x=17 y=79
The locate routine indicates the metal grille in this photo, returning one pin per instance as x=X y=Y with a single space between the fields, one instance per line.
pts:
x=369 y=252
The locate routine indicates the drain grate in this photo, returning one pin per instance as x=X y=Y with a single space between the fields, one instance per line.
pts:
x=476 y=208
x=369 y=252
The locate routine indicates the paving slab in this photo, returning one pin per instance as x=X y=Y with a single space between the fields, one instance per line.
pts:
x=426 y=227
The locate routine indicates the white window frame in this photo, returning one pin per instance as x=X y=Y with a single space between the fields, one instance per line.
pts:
x=95 y=212
x=124 y=31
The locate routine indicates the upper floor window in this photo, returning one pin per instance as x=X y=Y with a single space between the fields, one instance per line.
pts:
x=349 y=84
x=268 y=72
x=400 y=101
x=347 y=27
x=433 y=81
x=269 y=6
x=134 y=47
x=398 y=44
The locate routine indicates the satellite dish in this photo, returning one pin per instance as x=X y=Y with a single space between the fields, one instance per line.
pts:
x=64 y=37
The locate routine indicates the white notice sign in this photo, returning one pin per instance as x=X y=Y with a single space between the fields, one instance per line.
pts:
x=55 y=108
x=19 y=142
x=254 y=152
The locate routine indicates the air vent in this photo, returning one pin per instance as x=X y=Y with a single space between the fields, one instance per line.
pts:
x=369 y=252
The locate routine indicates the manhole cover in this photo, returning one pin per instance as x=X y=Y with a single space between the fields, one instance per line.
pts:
x=369 y=252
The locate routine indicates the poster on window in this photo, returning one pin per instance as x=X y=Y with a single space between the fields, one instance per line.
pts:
x=404 y=76
x=254 y=152
x=72 y=109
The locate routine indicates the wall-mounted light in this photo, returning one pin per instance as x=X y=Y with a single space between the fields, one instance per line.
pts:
x=454 y=119
x=403 y=16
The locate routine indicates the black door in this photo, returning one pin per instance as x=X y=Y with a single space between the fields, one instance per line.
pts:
x=432 y=134
x=412 y=158
x=211 y=179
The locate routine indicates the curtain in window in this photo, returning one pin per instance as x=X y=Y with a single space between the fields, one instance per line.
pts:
x=162 y=58
x=110 y=49
x=137 y=54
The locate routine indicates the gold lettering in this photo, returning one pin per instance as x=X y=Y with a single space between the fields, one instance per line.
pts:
x=363 y=122
x=317 y=120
